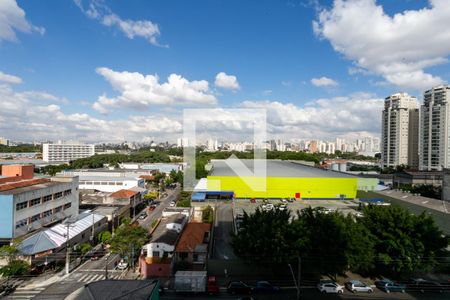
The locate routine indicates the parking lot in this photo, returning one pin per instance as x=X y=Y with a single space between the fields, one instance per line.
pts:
x=344 y=206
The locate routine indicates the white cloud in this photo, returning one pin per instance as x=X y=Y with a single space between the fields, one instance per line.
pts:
x=324 y=81
x=399 y=48
x=142 y=28
x=225 y=81
x=10 y=78
x=140 y=91
x=324 y=118
x=12 y=19
x=24 y=117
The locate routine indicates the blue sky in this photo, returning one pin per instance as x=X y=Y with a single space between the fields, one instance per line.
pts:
x=308 y=76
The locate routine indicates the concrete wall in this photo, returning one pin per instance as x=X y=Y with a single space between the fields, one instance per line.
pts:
x=25 y=172
x=6 y=217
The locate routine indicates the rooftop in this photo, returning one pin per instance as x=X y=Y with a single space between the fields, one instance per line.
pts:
x=276 y=168
x=26 y=186
x=192 y=236
x=123 y=194
x=164 y=235
x=116 y=289
x=55 y=236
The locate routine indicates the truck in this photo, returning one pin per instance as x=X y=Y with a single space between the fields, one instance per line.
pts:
x=195 y=282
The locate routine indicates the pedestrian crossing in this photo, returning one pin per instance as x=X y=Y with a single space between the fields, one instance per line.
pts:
x=89 y=277
x=25 y=293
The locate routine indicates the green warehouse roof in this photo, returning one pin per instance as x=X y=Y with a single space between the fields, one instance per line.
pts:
x=276 y=168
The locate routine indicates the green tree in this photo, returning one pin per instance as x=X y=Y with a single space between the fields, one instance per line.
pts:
x=404 y=242
x=85 y=248
x=265 y=236
x=207 y=214
x=15 y=268
x=104 y=236
x=128 y=238
x=332 y=243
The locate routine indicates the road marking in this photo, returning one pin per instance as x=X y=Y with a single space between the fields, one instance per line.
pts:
x=83 y=277
x=94 y=278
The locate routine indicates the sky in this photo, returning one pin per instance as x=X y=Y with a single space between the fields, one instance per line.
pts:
x=114 y=71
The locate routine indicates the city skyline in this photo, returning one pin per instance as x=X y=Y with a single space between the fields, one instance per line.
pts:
x=126 y=72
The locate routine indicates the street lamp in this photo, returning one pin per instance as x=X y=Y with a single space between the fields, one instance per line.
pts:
x=69 y=222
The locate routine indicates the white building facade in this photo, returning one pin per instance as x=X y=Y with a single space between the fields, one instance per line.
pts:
x=399 y=135
x=63 y=152
x=435 y=129
x=37 y=203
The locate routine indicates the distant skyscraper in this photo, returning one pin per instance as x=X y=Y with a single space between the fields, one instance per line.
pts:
x=182 y=142
x=399 y=134
x=313 y=147
x=435 y=129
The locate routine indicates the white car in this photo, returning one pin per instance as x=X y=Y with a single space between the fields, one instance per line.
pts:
x=268 y=206
x=282 y=207
x=122 y=266
x=172 y=204
x=358 y=286
x=330 y=288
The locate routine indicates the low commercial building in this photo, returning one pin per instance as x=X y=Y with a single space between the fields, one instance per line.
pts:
x=158 y=253
x=29 y=203
x=106 y=180
x=417 y=178
x=49 y=245
x=131 y=198
x=66 y=152
x=283 y=179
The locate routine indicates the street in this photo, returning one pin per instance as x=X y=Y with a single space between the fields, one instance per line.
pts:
x=223 y=227
x=89 y=271
x=313 y=294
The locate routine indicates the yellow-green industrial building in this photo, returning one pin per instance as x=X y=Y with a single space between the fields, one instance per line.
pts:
x=284 y=179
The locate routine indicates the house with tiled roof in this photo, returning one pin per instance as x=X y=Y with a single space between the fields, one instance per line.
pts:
x=192 y=247
x=128 y=197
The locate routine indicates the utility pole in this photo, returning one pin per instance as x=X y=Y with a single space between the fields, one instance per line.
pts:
x=106 y=267
x=67 y=250
x=93 y=227
x=299 y=276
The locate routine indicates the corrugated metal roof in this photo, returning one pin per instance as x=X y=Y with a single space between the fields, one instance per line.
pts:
x=55 y=236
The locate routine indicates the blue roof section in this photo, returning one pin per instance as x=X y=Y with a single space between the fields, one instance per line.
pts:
x=198 y=197
x=37 y=243
x=374 y=200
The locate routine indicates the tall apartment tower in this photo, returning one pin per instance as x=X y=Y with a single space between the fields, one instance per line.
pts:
x=400 y=131
x=435 y=129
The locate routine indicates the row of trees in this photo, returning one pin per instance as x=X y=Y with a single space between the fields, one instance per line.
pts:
x=20 y=148
x=386 y=240
x=425 y=190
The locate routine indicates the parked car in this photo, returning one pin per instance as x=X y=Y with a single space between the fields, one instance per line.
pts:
x=172 y=204
x=267 y=207
x=291 y=200
x=265 y=287
x=282 y=207
x=422 y=285
x=152 y=207
x=358 y=286
x=390 y=286
x=239 y=287
x=122 y=265
x=330 y=287
x=253 y=200
x=284 y=200
x=143 y=216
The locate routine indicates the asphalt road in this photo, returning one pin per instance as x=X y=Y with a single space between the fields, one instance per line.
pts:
x=223 y=226
x=172 y=195
x=313 y=294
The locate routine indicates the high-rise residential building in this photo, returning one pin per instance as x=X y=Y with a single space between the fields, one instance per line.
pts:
x=66 y=152
x=182 y=142
x=4 y=141
x=435 y=129
x=399 y=134
x=31 y=203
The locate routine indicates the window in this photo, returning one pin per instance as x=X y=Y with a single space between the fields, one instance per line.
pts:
x=67 y=205
x=47 y=198
x=34 y=202
x=67 y=192
x=155 y=254
x=195 y=257
x=35 y=218
x=183 y=255
x=58 y=209
x=58 y=195
x=21 y=223
x=21 y=205
x=47 y=213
